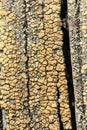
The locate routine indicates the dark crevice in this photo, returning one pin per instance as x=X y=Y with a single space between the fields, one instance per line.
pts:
x=67 y=58
x=58 y=109
x=26 y=52
x=1 y=120
x=76 y=1
x=42 y=5
x=1 y=51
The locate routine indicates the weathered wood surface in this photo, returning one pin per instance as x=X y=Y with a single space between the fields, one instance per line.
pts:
x=77 y=19
x=34 y=93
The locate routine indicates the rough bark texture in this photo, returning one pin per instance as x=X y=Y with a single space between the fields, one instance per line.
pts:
x=36 y=89
x=77 y=14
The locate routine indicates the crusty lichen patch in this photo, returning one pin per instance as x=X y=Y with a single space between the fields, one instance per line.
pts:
x=14 y=97
x=34 y=86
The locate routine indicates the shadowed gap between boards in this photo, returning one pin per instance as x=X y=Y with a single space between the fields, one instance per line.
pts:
x=67 y=58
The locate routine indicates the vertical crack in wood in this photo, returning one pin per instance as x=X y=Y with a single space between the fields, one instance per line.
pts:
x=67 y=58
x=1 y=119
x=26 y=53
